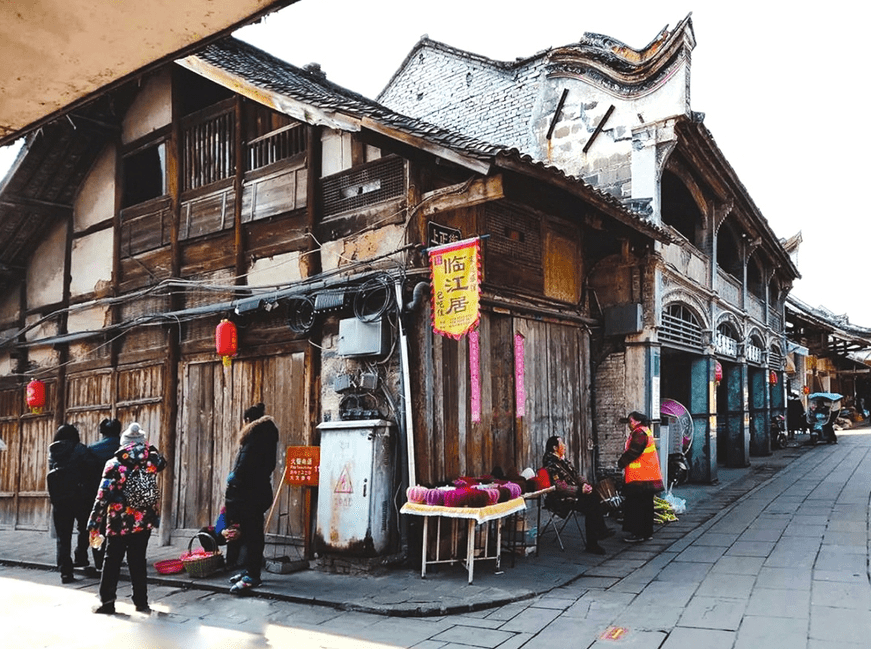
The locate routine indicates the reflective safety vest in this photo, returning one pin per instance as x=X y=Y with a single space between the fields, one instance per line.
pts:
x=646 y=467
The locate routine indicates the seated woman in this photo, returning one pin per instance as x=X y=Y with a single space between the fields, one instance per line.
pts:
x=573 y=493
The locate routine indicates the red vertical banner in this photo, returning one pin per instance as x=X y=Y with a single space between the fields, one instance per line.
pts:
x=475 y=375
x=456 y=281
x=519 y=375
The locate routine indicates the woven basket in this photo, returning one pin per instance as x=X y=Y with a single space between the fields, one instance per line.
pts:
x=205 y=561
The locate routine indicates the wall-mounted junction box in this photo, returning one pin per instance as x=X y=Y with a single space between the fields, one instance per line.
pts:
x=358 y=338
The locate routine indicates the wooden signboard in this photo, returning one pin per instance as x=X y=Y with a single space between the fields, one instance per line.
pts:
x=302 y=466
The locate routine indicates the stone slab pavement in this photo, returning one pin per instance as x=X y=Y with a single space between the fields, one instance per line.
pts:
x=775 y=555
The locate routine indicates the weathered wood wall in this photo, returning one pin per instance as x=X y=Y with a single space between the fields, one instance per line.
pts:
x=213 y=400
x=556 y=378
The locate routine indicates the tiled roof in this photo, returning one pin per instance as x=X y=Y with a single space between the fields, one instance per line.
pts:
x=275 y=75
x=271 y=74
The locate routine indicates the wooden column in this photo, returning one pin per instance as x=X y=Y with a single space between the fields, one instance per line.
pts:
x=169 y=415
x=238 y=178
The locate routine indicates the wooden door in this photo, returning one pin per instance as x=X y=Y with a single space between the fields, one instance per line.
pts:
x=33 y=510
x=557 y=385
x=10 y=411
x=214 y=399
x=449 y=444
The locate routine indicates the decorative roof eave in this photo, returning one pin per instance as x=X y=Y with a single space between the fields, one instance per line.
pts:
x=607 y=62
x=695 y=138
x=857 y=337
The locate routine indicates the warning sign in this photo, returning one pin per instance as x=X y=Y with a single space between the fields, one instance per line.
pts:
x=343 y=484
x=302 y=466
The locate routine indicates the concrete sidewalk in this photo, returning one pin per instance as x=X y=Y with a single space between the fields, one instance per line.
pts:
x=800 y=514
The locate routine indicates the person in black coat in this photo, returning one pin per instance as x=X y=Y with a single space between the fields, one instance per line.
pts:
x=68 y=466
x=101 y=452
x=573 y=492
x=249 y=491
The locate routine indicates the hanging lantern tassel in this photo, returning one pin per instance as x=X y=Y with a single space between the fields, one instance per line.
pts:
x=35 y=396
x=226 y=341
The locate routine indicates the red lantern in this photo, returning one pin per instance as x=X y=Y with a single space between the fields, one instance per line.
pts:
x=35 y=396
x=805 y=390
x=226 y=341
x=718 y=372
x=772 y=378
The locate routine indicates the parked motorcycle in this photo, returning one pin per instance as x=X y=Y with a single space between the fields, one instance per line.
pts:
x=821 y=412
x=778 y=432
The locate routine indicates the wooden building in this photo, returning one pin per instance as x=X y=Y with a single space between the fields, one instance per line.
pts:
x=232 y=185
x=713 y=296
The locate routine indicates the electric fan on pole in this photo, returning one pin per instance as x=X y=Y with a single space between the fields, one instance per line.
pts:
x=680 y=439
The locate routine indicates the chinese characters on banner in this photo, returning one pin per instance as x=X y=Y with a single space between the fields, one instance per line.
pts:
x=302 y=466
x=455 y=287
x=475 y=375
x=519 y=374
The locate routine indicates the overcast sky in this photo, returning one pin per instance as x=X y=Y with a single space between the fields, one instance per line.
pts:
x=783 y=91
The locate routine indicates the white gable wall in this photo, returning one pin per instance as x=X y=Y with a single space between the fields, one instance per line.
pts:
x=46 y=269
x=151 y=110
x=95 y=201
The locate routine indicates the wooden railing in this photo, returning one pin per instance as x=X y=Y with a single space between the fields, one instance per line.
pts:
x=208 y=151
x=281 y=144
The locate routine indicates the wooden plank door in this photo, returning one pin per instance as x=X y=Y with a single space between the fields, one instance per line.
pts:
x=214 y=399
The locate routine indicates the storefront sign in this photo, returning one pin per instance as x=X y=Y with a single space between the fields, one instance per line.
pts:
x=439 y=235
x=456 y=276
x=475 y=375
x=519 y=374
x=302 y=466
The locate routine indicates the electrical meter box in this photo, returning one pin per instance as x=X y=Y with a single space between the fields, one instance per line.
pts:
x=354 y=513
x=358 y=338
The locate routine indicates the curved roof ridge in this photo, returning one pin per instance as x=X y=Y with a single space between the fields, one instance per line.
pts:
x=604 y=60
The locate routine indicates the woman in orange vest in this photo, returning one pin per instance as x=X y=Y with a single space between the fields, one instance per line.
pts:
x=640 y=464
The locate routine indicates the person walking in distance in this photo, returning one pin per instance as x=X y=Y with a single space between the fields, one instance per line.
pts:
x=101 y=452
x=128 y=508
x=68 y=466
x=643 y=478
x=249 y=491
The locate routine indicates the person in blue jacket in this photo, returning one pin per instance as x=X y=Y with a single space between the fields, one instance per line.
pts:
x=101 y=452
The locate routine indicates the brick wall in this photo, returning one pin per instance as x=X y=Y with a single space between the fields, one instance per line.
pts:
x=610 y=382
x=470 y=95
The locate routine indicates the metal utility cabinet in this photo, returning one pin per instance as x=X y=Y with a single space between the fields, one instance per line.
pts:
x=354 y=512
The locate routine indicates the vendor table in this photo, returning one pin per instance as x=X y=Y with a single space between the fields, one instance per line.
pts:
x=474 y=516
x=536 y=496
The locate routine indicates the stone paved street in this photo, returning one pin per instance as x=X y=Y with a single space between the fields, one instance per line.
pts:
x=775 y=558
